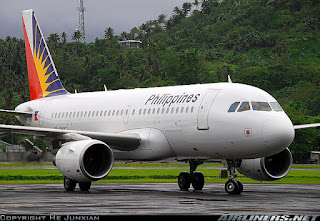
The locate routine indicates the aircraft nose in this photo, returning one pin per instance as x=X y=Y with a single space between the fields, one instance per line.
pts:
x=277 y=133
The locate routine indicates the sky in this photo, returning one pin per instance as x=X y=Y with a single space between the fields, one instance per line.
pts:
x=56 y=16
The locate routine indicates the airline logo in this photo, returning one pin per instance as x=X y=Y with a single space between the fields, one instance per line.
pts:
x=168 y=99
x=36 y=116
x=43 y=77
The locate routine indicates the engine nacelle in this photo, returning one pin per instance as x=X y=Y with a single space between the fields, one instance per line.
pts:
x=269 y=168
x=85 y=160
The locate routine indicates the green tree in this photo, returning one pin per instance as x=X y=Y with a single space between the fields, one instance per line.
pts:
x=109 y=33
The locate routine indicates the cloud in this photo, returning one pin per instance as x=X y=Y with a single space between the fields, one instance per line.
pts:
x=62 y=15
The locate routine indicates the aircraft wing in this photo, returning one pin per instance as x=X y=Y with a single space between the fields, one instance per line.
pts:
x=16 y=113
x=297 y=127
x=119 y=141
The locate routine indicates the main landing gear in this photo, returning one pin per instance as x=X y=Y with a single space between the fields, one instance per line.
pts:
x=233 y=186
x=195 y=178
x=70 y=185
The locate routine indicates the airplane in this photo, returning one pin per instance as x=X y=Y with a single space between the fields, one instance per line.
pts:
x=241 y=124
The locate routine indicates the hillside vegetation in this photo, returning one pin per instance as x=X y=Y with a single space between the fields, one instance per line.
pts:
x=270 y=44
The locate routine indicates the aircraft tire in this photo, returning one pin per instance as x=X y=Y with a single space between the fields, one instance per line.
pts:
x=69 y=184
x=184 y=181
x=85 y=186
x=197 y=180
x=233 y=187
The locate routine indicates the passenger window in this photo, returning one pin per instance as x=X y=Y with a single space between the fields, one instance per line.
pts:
x=233 y=107
x=244 y=107
x=276 y=106
x=192 y=108
x=260 y=106
x=134 y=110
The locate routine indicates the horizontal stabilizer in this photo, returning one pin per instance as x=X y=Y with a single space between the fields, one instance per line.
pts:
x=16 y=113
x=297 y=127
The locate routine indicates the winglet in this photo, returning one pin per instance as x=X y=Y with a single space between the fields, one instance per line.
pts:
x=43 y=77
x=229 y=79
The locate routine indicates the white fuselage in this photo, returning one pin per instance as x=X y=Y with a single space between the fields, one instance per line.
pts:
x=183 y=122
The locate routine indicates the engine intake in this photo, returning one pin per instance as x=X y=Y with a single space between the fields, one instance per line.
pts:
x=85 y=160
x=269 y=168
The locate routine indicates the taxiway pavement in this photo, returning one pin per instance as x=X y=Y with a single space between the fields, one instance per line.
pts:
x=159 y=199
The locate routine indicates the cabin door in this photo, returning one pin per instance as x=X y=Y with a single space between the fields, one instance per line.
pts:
x=203 y=113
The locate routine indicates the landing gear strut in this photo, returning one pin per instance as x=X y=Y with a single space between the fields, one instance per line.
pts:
x=195 y=178
x=233 y=186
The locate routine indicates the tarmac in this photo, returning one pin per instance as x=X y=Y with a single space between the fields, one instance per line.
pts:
x=159 y=199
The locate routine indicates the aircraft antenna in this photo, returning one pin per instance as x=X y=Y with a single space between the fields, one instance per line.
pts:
x=81 y=10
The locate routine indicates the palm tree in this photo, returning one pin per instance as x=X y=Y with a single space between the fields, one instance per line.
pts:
x=76 y=35
x=134 y=33
x=63 y=38
x=186 y=7
x=53 y=40
x=196 y=3
x=177 y=11
x=162 y=19
x=109 y=33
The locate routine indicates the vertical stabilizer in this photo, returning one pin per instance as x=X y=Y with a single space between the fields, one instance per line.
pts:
x=43 y=77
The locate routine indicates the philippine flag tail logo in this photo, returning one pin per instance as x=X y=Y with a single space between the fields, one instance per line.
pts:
x=43 y=77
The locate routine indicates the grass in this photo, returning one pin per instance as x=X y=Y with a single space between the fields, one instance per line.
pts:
x=26 y=175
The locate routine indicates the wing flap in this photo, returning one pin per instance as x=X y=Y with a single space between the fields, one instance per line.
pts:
x=119 y=141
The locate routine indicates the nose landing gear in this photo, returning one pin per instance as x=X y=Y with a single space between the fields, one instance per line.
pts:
x=233 y=186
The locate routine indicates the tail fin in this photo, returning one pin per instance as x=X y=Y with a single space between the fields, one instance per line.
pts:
x=43 y=77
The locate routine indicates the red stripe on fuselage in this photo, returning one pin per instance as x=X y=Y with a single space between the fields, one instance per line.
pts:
x=34 y=83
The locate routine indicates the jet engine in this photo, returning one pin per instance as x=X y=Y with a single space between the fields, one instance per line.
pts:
x=84 y=160
x=269 y=168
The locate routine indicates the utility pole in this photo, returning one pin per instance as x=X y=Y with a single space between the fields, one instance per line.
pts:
x=81 y=10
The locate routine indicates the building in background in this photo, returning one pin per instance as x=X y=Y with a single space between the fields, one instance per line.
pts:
x=130 y=44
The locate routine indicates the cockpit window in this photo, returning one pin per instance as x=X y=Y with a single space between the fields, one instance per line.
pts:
x=244 y=107
x=276 y=106
x=233 y=107
x=261 y=106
